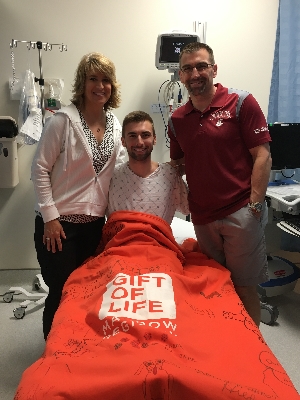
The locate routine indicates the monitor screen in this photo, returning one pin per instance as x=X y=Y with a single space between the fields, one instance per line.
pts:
x=285 y=145
x=171 y=47
x=168 y=48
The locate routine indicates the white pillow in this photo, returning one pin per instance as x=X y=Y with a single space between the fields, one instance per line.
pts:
x=182 y=230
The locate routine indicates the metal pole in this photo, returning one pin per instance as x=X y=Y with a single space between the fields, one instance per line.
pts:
x=41 y=80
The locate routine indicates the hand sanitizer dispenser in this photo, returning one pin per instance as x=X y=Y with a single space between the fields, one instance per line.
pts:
x=9 y=173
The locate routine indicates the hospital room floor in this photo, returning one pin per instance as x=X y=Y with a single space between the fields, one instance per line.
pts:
x=21 y=340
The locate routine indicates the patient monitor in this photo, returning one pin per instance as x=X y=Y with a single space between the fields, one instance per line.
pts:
x=168 y=48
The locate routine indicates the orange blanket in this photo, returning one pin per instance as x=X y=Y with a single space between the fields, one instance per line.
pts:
x=148 y=319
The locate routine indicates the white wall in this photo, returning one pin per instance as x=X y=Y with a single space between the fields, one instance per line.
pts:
x=241 y=33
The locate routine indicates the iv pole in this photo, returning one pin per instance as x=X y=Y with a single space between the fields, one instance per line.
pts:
x=40 y=46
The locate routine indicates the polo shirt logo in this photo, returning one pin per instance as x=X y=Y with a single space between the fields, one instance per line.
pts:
x=263 y=129
x=219 y=116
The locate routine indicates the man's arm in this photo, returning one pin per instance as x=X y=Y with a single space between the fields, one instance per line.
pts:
x=181 y=194
x=179 y=164
x=262 y=163
x=176 y=153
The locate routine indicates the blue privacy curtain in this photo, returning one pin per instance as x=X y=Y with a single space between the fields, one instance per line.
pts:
x=284 y=101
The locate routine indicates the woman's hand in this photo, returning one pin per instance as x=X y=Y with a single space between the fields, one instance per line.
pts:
x=53 y=232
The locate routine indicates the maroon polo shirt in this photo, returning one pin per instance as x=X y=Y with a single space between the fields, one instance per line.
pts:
x=216 y=145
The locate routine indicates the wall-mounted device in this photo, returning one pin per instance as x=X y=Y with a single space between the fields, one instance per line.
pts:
x=9 y=173
x=168 y=48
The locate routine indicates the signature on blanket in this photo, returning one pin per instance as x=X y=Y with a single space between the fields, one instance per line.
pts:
x=158 y=382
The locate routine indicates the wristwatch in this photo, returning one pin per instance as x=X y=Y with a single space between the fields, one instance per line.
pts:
x=256 y=207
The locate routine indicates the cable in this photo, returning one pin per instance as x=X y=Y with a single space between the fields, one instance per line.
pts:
x=170 y=104
x=162 y=114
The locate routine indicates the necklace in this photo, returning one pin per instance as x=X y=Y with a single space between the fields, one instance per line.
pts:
x=99 y=129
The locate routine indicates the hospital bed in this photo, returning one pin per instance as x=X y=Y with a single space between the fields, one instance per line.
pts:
x=147 y=318
x=36 y=298
x=182 y=230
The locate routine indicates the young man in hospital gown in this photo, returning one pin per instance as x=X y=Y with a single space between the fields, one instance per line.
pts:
x=142 y=184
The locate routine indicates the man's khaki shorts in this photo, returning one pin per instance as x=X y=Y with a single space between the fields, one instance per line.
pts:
x=238 y=243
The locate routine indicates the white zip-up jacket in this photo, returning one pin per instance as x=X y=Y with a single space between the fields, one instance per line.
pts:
x=62 y=172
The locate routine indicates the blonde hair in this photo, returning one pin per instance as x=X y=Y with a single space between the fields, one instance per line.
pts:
x=90 y=63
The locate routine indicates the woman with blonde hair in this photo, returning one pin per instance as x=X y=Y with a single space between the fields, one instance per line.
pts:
x=71 y=173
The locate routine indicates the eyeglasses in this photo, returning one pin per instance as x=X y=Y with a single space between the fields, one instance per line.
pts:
x=188 y=69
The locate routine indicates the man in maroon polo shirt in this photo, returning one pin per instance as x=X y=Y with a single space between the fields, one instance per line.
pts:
x=220 y=140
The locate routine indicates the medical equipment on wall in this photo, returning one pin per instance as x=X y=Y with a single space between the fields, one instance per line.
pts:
x=168 y=48
x=9 y=172
x=32 y=109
